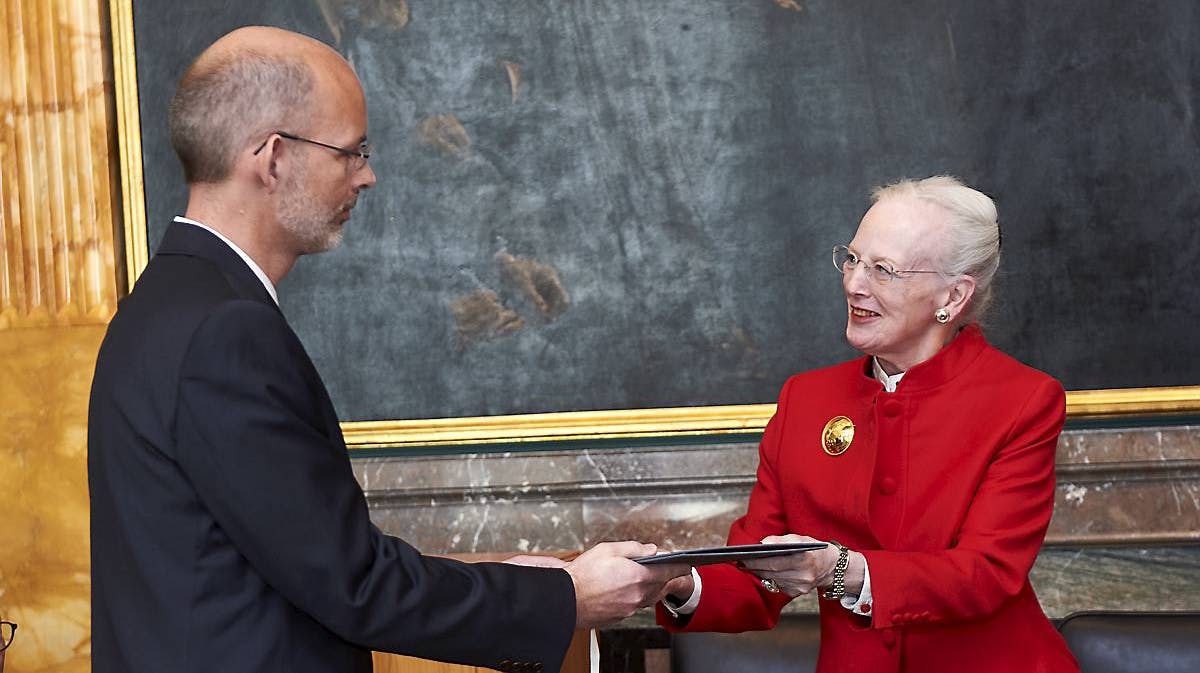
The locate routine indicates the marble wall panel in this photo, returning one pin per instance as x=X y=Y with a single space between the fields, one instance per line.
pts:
x=1127 y=508
x=467 y=472
x=1136 y=486
x=712 y=463
x=1139 y=486
x=670 y=521
x=1125 y=445
x=1118 y=578
x=485 y=524
x=1142 y=502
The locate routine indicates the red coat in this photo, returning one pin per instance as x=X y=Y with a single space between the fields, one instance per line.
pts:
x=947 y=489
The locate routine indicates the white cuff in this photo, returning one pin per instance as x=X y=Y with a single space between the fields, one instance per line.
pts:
x=860 y=604
x=688 y=606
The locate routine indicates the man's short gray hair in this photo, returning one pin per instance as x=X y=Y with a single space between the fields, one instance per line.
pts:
x=225 y=103
x=972 y=246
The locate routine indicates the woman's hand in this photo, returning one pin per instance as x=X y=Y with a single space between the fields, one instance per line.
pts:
x=798 y=574
x=681 y=588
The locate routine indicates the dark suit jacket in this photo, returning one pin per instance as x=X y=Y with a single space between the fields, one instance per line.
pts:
x=228 y=531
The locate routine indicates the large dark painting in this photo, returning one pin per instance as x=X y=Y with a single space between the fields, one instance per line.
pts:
x=598 y=204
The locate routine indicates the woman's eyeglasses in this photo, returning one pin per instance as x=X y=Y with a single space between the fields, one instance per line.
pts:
x=7 y=631
x=844 y=260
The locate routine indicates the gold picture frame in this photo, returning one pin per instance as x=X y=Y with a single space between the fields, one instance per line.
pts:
x=679 y=422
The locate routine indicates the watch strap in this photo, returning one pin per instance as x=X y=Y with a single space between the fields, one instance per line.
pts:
x=837 y=589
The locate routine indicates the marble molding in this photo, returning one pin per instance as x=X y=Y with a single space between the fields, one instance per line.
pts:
x=1127 y=507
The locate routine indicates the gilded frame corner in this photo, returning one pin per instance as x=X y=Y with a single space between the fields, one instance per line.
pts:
x=679 y=422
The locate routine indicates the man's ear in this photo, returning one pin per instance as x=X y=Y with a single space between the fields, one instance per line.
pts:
x=268 y=163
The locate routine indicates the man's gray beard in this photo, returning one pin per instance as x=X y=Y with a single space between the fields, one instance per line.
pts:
x=302 y=217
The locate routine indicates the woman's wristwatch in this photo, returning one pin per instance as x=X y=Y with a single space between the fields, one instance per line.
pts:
x=838 y=588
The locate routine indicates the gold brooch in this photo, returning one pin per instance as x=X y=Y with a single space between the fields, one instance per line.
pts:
x=837 y=435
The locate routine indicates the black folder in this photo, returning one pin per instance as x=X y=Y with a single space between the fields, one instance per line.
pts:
x=739 y=552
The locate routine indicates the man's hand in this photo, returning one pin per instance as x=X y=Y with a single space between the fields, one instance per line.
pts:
x=609 y=587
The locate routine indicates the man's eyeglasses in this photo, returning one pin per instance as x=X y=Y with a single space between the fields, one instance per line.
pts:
x=7 y=631
x=844 y=260
x=358 y=156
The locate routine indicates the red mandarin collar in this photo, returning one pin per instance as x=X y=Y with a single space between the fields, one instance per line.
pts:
x=951 y=361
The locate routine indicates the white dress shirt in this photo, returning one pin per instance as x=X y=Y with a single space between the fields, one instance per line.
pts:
x=262 y=275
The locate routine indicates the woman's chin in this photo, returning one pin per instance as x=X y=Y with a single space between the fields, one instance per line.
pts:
x=857 y=339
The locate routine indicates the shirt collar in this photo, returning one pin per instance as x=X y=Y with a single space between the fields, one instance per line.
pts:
x=952 y=361
x=889 y=381
x=262 y=276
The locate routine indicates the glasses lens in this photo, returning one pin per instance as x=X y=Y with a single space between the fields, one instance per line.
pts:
x=881 y=273
x=6 y=634
x=364 y=153
x=841 y=258
x=357 y=160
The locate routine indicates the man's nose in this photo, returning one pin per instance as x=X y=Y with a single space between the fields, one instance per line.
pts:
x=367 y=179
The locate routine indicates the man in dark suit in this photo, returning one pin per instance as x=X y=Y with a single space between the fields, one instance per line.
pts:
x=228 y=531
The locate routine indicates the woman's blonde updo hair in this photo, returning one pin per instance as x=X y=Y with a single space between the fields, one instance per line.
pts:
x=972 y=245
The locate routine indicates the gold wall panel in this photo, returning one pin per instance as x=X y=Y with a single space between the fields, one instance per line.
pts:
x=58 y=281
x=57 y=196
x=45 y=375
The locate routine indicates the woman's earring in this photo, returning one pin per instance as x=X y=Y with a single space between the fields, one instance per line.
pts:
x=942 y=316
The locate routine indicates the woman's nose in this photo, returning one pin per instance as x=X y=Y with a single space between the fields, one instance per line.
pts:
x=855 y=280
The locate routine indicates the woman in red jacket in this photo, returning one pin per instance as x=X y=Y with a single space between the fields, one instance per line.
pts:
x=928 y=465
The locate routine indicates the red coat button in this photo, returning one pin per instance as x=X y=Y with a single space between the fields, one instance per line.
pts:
x=887 y=486
x=866 y=608
x=889 y=638
x=892 y=408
